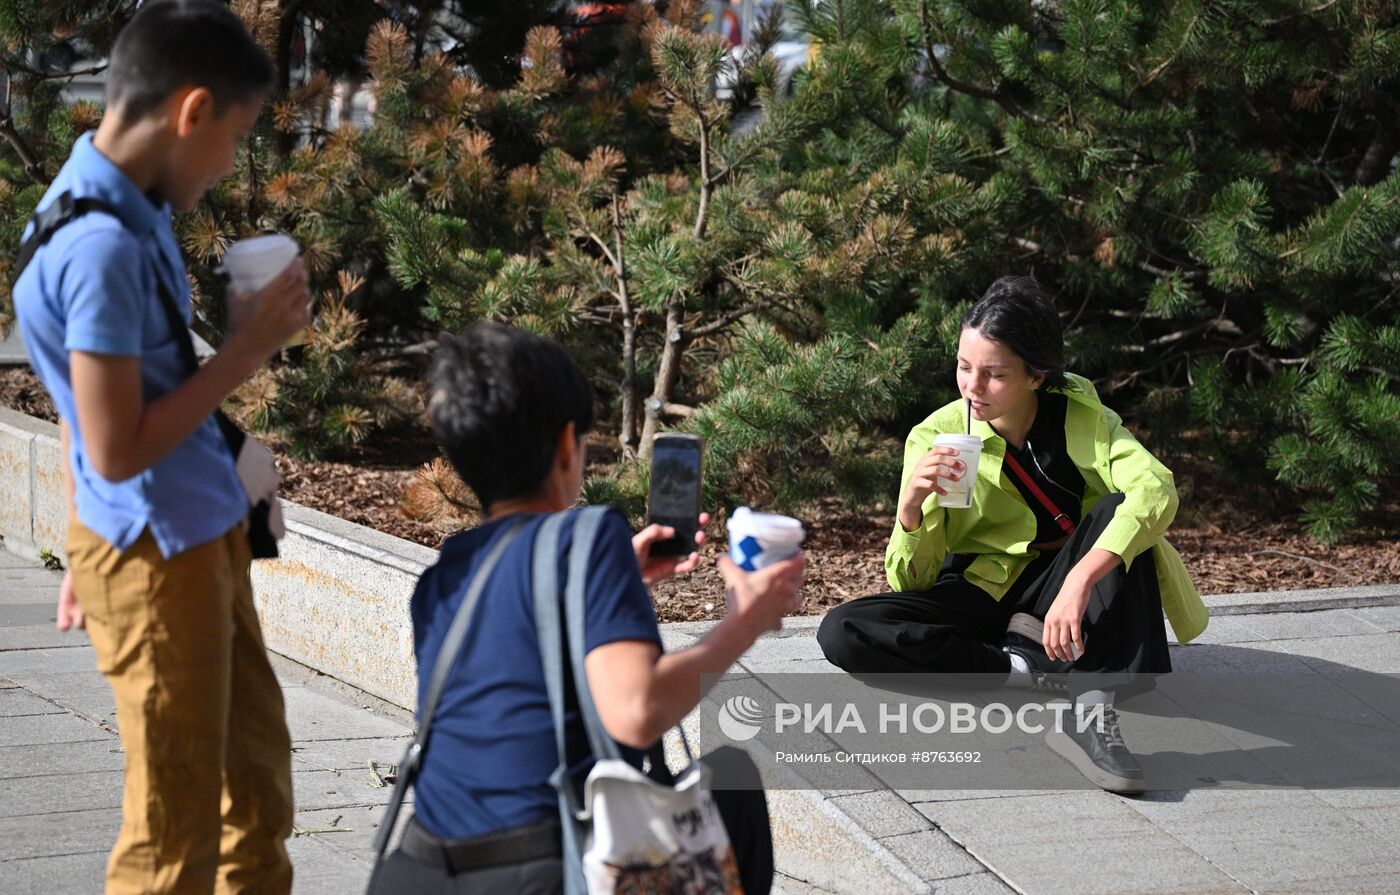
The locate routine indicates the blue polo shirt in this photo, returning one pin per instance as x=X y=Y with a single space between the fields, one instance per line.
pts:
x=492 y=751
x=92 y=288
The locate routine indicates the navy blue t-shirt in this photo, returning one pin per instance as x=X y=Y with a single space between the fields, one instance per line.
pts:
x=492 y=750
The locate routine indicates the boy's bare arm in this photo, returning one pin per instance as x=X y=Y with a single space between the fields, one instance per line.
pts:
x=124 y=435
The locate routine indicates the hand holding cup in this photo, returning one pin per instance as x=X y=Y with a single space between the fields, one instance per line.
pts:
x=941 y=462
x=265 y=320
x=761 y=599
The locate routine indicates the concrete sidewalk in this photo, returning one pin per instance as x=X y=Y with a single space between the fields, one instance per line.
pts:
x=60 y=782
x=60 y=759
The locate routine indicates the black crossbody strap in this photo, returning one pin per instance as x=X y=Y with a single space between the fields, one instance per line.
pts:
x=447 y=658
x=52 y=218
x=233 y=436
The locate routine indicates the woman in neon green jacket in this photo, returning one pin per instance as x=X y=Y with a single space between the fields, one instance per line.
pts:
x=1059 y=564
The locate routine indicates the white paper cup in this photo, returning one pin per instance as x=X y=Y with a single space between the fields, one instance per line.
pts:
x=969 y=448
x=757 y=540
x=253 y=263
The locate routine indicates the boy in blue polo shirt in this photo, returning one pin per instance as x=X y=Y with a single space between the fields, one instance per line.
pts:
x=158 y=554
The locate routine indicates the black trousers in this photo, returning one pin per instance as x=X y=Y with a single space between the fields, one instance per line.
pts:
x=958 y=628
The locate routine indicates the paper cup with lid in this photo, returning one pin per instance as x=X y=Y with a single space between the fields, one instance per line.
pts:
x=757 y=540
x=969 y=448
x=254 y=262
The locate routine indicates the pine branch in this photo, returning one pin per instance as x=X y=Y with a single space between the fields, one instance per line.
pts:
x=1273 y=23
x=32 y=166
x=669 y=408
x=998 y=96
x=722 y=322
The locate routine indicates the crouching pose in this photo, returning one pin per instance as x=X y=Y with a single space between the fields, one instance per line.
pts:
x=1058 y=565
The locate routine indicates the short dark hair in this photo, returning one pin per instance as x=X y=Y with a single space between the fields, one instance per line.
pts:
x=1016 y=312
x=499 y=398
x=171 y=44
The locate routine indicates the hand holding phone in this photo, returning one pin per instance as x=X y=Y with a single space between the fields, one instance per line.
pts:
x=659 y=568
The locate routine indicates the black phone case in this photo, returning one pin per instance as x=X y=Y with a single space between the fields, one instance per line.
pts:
x=683 y=544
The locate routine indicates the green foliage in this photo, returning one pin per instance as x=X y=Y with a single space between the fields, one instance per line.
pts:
x=1207 y=188
x=333 y=398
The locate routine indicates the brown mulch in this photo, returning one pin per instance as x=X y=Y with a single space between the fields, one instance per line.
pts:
x=1228 y=547
x=21 y=390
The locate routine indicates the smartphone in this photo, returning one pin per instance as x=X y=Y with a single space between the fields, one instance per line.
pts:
x=674 y=498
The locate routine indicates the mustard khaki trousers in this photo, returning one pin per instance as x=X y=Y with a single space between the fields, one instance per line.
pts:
x=207 y=804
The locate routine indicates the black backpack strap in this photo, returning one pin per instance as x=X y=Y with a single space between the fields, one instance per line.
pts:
x=53 y=217
x=64 y=210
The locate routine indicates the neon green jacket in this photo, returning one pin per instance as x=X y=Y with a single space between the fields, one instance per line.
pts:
x=1000 y=526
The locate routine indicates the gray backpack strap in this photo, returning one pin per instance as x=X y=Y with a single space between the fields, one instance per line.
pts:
x=590 y=521
x=447 y=657
x=545 y=580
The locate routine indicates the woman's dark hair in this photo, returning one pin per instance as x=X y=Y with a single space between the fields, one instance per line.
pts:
x=499 y=398
x=170 y=44
x=1016 y=312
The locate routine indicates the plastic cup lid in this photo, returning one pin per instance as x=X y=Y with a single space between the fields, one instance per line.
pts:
x=259 y=250
x=958 y=438
x=772 y=526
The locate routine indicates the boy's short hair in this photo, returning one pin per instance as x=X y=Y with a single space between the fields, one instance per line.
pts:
x=499 y=398
x=171 y=44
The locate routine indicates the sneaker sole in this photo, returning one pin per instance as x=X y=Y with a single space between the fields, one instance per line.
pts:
x=1027 y=626
x=1030 y=627
x=1066 y=749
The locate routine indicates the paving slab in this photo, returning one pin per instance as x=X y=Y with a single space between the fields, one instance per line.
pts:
x=77 y=657
x=37 y=731
x=866 y=841
x=933 y=856
x=21 y=704
x=1301 y=601
x=1378 y=653
x=1226 y=629
x=60 y=759
x=882 y=814
x=1305 y=625
x=1077 y=844
x=75 y=792
x=82 y=872
x=59 y=833
x=317 y=790
x=314 y=716
x=320 y=868
x=1387 y=618
x=1277 y=840
x=1378 y=810
x=39 y=633
x=85 y=693
x=348 y=755
x=350 y=830
x=984 y=883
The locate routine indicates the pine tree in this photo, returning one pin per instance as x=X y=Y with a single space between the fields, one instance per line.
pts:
x=1209 y=187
